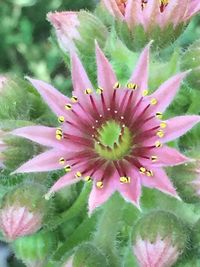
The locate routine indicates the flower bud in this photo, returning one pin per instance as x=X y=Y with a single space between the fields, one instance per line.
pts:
x=191 y=60
x=154 y=233
x=138 y=22
x=88 y=255
x=35 y=250
x=186 y=178
x=77 y=30
x=22 y=211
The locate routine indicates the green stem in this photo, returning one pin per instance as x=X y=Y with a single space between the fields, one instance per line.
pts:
x=78 y=207
x=108 y=227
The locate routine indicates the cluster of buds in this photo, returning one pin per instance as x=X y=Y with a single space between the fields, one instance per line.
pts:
x=21 y=215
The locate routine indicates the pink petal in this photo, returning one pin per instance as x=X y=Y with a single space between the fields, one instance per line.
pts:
x=112 y=7
x=168 y=156
x=178 y=126
x=66 y=180
x=105 y=73
x=46 y=161
x=134 y=14
x=160 y=181
x=194 y=7
x=53 y=97
x=41 y=134
x=131 y=191
x=80 y=78
x=151 y=13
x=166 y=92
x=100 y=195
x=141 y=72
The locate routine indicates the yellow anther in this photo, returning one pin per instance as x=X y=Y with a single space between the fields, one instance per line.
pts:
x=99 y=90
x=154 y=101
x=78 y=174
x=62 y=161
x=145 y=92
x=117 y=85
x=142 y=170
x=74 y=99
x=149 y=173
x=99 y=184
x=125 y=180
x=160 y=133
x=163 y=125
x=61 y=119
x=132 y=86
x=67 y=168
x=158 y=144
x=154 y=158
x=164 y=2
x=88 y=91
x=159 y=115
x=68 y=106
x=59 y=134
x=88 y=178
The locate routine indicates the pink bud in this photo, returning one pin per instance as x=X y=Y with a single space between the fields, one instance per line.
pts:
x=160 y=253
x=17 y=221
x=65 y=24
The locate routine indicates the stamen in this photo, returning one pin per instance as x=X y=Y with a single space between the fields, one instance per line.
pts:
x=160 y=133
x=88 y=91
x=78 y=174
x=145 y=93
x=117 y=85
x=59 y=134
x=99 y=90
x=133 y=86
x=74 y=99
x=99 y=184
x=67 y=168
x=158 y=144
x=154 y=101
x=88 y=178
x=142 y=170
x=68 y=106
x=154 y=158
x=61 y=119
x=159 y=115
x=62 y=161
x=125 y=180
x=163 y=125
x=149 y=173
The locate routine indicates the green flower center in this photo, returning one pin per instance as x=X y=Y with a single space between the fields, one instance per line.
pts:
x=114 y=141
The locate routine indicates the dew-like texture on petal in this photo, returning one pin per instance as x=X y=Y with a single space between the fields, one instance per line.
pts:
x=160 y=253
x=113 y=136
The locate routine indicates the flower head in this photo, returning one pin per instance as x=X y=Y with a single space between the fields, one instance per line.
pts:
x=77 y=30
x=114 y=136
x=150 y=13
x=19 y=216
x=161 y=246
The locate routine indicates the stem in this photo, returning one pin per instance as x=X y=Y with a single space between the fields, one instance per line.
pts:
x=78 y=207
x=108 y=227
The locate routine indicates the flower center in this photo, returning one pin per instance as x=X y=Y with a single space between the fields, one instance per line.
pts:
x=113 y=141
x=163 y=4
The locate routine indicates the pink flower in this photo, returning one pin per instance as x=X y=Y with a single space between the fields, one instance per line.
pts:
x=161 y=253
x=149 y=13
x=65 y=24
x=17 y=221
x=115 y=137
